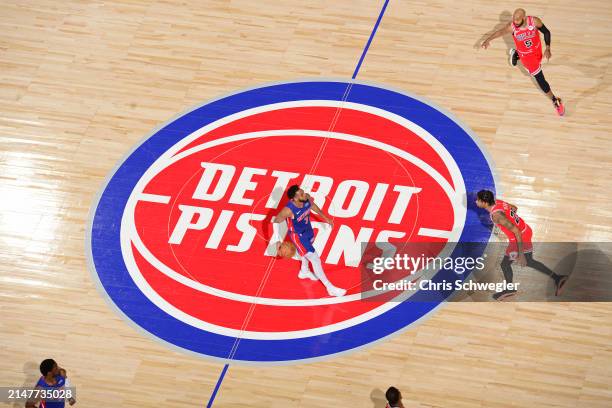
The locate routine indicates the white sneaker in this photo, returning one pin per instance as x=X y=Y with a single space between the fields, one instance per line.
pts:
x=307 y=275
x=514 y=57
x=336 y=292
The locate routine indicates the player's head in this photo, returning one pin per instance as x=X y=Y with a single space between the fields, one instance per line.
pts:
x=49 y=366
x=485 y=198
x=518 y=17
x=295 y=193
x=393 y=395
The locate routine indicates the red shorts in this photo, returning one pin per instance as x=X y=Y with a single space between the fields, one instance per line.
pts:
x=512 y=250
x=532 y=62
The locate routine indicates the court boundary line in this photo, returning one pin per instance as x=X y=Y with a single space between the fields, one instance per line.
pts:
x=372 y=34
x=217 y=386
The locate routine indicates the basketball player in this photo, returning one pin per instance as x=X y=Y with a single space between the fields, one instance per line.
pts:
x=524 y=30
x=297 y=215
x=519 y=234
x=53 y=377
x=394 y=398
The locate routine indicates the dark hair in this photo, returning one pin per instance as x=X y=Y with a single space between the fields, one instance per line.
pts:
x=292 y=191
x=392 y=395
x=47 y=365
x=486 y=196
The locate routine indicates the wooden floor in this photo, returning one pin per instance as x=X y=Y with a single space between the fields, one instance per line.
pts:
x=82 y=82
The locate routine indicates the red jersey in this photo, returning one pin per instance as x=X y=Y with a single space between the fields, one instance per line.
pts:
x=526 y=233
x=527 y=38
x=511 y=215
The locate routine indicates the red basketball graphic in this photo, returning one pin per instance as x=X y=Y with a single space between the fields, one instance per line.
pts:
x=195 y=232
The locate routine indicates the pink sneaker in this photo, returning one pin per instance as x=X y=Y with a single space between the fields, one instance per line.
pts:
x=559 y=106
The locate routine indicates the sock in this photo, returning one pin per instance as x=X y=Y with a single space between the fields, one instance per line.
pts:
x=304 y=267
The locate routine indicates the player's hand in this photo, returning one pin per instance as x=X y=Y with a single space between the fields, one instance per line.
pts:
x=485 y=44
x=278 y=244
x=330 y=222
x=522 y=260
x=547 y=53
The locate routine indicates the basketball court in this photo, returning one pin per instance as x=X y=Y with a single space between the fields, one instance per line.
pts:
x=146 y=147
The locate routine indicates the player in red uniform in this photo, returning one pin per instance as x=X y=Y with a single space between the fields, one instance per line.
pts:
x=524 y=30
x=519 y=234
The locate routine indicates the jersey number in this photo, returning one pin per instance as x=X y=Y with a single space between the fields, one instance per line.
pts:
x=528 y=43
x=515 y=217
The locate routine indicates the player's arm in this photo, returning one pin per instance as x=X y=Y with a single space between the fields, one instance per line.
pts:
x=540 y=25
x=67 y=384
x=501 y=219
x=319 y=211
x=502 y=31
x=280 y=217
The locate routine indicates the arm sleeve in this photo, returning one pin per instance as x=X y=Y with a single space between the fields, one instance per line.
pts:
x=546 y=33
x=275 y=231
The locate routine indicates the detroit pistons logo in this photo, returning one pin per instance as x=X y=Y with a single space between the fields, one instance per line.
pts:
x=180 y=236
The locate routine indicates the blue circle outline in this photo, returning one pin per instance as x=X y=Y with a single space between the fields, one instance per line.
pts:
x=106 y=259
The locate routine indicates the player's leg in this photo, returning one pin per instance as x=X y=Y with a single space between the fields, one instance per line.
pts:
x=560 y=280
x=305 y=271
x=527 y=235
x=533 y=64
x=304 y=266
x=545 y=87
x=317 y=268
x=301 y=250
x=539 y=266
x=304 y=243
x=506 y=267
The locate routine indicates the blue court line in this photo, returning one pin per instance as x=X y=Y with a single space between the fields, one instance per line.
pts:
x=367 y=47
x=363 y=54
x=219 y=381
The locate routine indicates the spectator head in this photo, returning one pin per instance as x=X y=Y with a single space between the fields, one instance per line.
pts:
x=393 y=395
x=49 y=365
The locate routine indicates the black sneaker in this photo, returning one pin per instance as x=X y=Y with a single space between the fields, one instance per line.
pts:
x=560 y=284
x=504 y=294
x=514 y=57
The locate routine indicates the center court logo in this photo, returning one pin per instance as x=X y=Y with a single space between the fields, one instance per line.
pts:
x=179 y=236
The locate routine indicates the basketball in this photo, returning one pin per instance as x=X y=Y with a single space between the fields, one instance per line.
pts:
x=286 y=250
